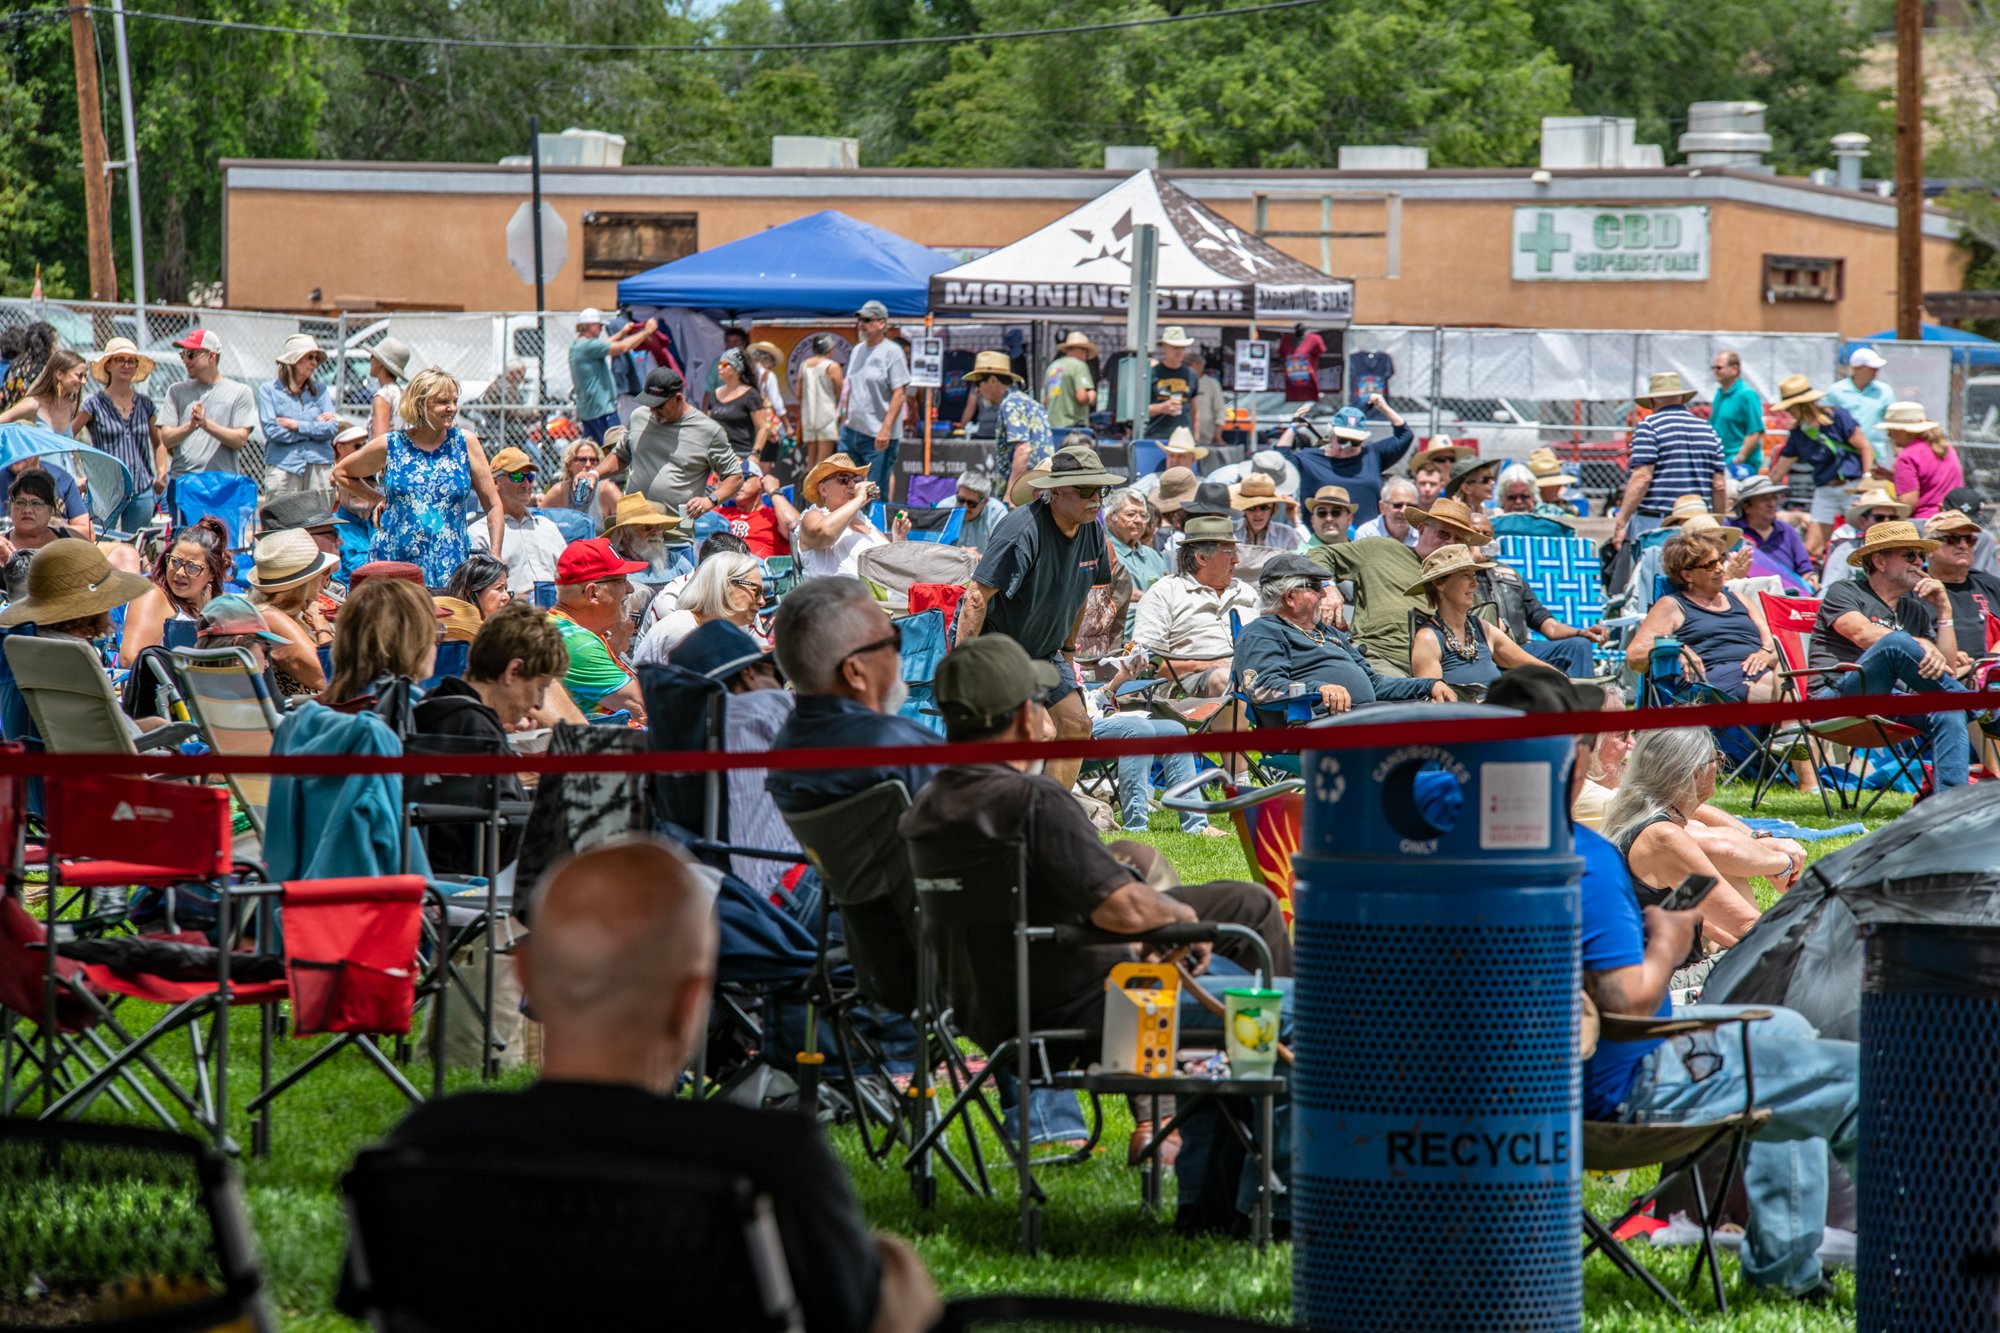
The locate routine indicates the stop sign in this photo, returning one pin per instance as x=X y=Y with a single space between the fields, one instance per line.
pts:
x=521 y=242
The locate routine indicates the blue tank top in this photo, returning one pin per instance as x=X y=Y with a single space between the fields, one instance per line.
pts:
x=1479 y=669
x=1718 y=636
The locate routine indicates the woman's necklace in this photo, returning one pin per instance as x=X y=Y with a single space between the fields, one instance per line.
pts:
x=1460 y=642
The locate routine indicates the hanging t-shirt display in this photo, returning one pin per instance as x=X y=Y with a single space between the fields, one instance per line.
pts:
x=1301 y=362
x=1369 y=373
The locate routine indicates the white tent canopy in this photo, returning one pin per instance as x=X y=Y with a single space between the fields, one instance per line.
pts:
x=1079 y=267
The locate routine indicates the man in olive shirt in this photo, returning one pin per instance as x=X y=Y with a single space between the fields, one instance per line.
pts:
x=1382 y=570
x=670 y=449
x=1069 y=393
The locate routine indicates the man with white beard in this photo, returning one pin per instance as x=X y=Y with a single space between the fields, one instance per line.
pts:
x=533 y=543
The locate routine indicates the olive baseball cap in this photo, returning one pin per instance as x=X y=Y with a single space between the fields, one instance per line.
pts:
x=985 y=680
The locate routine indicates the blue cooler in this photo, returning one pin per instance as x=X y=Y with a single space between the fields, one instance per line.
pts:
x=1437 y=1151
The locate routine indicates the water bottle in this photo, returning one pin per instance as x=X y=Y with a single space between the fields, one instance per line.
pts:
x=579 y=494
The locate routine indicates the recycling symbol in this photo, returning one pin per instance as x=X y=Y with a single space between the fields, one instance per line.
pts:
x=1328 y=784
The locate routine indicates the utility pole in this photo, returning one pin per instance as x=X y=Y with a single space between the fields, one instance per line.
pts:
x=1909 y=169
x=131 y=165
x=96 y=189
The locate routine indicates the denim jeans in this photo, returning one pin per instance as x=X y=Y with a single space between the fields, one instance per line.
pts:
x=1200 y=1139
x=1811 y=1084
x=879 y=460
x=1135 y=772
x=1891 y=661
x=135 y=513
x=1572 y=657
x=1054 y=1116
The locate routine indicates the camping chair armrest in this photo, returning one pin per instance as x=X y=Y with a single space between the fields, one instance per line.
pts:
x=423 y=813
x=1174 y=934
x=1187 y=796
x=515 y=812
x=1630 y=1027
x=168 y=737
x=757 y=853
x=1803 y=672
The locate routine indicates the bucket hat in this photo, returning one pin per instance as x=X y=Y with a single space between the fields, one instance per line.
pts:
x=394 y=354
x=1664 y=384
x=1076 y=465
x=69 y=579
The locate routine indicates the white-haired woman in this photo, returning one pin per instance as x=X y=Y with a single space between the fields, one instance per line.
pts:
x=1660 y=819
x=430 y=472
x=728 y=585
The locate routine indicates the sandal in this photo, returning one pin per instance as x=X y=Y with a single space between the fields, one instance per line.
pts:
x=1142 y=1135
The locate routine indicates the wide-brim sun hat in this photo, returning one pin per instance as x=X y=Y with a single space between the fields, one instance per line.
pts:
x=1023 y=491
x=1175 y=336
x=636 y=511
x=991 y=364
x=1664 y=384
x=836 y=465
x=1182 y=442
x=70 y=579
x=1334 y=496
x=1708 y=523
x=1453 y=515
x=120 y=347
x=1877 y=496
x=1907 y=417
x=1443 y=563
x=1177 y=487
x=1894 y=535
x=286 y=559
x=1441 y=449
x=1256 y=491
x=1548 y=469
x=1796 y=391
x=297 y=348
x=1685 y=508
x=1076 y=465
x=394 y=354
x=1075 y=341
x=1466 y=469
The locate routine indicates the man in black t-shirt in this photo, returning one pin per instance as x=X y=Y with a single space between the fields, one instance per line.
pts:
x=619 y=971
x=1174 y=388
x=1894 y=622
x=1037 y=570
x=1974 y=593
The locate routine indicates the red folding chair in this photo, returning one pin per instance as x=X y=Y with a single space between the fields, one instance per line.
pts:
x=1791 y=620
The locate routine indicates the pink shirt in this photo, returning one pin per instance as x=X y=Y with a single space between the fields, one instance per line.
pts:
x=1919 y=469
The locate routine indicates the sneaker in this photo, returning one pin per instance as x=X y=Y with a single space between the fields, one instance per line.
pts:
x=1837 y=1248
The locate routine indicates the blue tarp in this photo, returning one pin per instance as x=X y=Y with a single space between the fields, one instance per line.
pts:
x=1968 y=349
x=824 y=264
x=107 y=480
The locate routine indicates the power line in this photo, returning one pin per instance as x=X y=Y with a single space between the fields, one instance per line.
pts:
x=701 y=48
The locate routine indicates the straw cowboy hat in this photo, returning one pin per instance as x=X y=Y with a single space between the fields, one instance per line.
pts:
x=838 y=464
x=1907 y=417
x=1796 y=391
x=1177 y=487
x=394 y=354
x=986 y=364
x=69 y=579
x=120 y=347
x=1182 y=442
x=636 y=511
x=1258 y=490
x=1951 y=520
x=1753 y=488
x=461 y=619
x=1441 y=449
x=1548 y=469
x=770 y=349
x=1685 y=508
x=1708 y=523
x=1074 y=341
x=1894 y=535
x=1874 y=494
x=1444 y=562
x=287 y=559
x=1077 y=465
x=1453 y=515
x=1330 y=495
x=1665 y=384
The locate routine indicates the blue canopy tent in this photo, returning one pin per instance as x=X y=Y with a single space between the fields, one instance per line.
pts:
x=826 y=263
x=106 y=481
x=1967 y=349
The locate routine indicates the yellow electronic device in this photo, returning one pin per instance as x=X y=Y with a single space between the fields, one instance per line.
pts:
x=1141 y=1019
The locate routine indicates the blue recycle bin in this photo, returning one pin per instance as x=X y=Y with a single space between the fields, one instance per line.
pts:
x=1437 y=1142
x=1928 y=1193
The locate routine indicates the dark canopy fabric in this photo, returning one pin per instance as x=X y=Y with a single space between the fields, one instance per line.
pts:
x=1939 y=863
x=824 y=264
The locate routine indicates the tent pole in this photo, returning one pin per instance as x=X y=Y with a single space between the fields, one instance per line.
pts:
x=929 y=321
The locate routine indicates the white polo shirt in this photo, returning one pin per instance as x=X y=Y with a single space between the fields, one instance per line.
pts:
x=531 y=547
x=1183 y=619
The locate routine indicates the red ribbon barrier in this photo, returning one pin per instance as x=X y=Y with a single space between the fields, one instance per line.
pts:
x=1348 y=735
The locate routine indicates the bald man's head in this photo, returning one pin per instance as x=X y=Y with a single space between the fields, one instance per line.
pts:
x=620 y=961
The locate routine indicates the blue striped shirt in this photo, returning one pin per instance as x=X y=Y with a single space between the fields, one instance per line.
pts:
x=1684 y=454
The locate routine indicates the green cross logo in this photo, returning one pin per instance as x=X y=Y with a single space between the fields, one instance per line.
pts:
x=1544 y=243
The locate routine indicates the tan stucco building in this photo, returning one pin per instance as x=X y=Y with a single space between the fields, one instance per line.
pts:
x=1669 y=248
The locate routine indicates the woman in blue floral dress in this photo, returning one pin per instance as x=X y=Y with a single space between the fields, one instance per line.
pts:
x=424 y=477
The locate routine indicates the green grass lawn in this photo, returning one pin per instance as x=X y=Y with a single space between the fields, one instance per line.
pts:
x=1097 y=1242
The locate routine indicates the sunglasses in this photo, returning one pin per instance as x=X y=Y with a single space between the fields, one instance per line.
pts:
x=1399 y=505
x=1087 y=492
x=892 y=641
x=526 y=474
x=187 y=567
x=1959 y=539
x=1334 y=513
x=1880 y=518
x=755 y=585
x=1716 y=563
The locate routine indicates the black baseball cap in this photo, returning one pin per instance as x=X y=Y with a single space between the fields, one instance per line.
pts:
x=663 y=383
x=1536 y=689
x=985 y=680
x=1966 y=500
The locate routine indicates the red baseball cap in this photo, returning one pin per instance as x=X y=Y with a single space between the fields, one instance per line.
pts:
x=200 y=340
x=592 y=559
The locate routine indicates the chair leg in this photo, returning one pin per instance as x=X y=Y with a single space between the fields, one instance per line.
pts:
x=1602 y=1239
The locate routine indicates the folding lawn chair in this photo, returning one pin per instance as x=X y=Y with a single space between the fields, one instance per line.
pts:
x=979 y=886
x=112 y=1227
x=72 y=703
x=1563 y=570
x=230 y=700
x=1678 y=1149
x=926 y=525
x=1791 y=620
x=1666 y=684
x=229 y=496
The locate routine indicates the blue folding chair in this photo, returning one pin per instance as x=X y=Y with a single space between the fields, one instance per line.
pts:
x=1148 y=457
x=941 y=526
x=1564 y=571
x=574 y=524
x=229 y=496
x=451 y=660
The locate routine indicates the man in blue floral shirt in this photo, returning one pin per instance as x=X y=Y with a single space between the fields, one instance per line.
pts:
x=1025 y=438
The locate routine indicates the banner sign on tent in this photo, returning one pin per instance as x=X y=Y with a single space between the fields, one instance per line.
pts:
x=926 y=363
x=1253 y=366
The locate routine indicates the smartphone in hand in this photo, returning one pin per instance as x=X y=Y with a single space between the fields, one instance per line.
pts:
x=1687 y=895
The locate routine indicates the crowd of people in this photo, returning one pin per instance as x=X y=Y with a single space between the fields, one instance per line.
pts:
x=1344 y=566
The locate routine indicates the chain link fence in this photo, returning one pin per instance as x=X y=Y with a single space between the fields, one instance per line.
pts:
x=512 y=368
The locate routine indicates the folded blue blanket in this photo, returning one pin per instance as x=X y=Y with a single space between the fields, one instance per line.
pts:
x=1784 y=828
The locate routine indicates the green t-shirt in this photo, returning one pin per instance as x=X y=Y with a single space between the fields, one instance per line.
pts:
x=1381 y=568
x=1068 y=378
x=593 y=672
x=1737 y=412
x=590 y=375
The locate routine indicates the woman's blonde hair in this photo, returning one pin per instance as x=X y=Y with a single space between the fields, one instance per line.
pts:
x=385 y=628
x=1934 y=437
x=426 y=387
x=707 y=592
x=569 y=454
x=1815 y=413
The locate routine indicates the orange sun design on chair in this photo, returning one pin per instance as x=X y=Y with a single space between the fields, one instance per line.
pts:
x=1269 y=832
